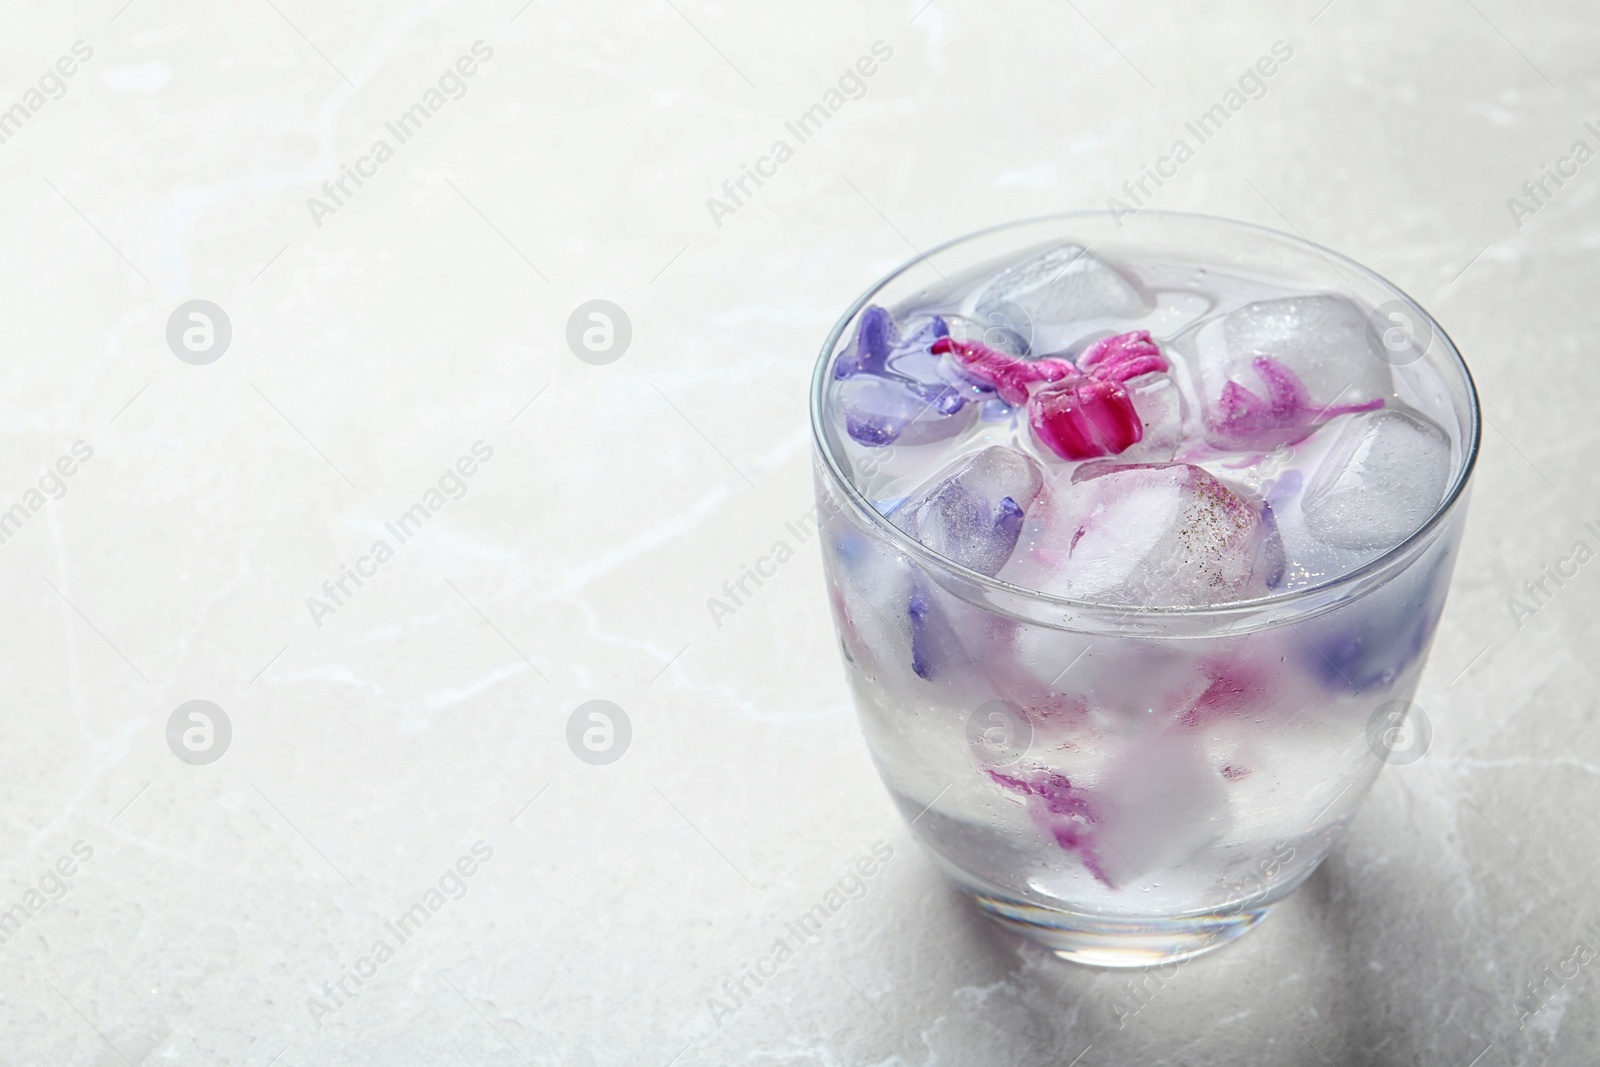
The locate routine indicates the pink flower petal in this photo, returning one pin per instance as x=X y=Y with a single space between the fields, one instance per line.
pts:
x=1285 y=415
x=1123 y=357
x=1007 y=375
x=1085 y=418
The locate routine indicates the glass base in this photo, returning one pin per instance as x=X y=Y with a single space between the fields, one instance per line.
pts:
x=1099 y=941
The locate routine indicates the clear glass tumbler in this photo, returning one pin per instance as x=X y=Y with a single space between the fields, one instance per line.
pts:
x=1241 y=739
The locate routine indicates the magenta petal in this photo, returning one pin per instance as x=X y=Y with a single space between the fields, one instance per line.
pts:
x=1061 y=811
x=1085 y=418
x=1007 y=375
x=1135 y=366
x=1110 y=411
x=1285 y=415
x=1122 y=357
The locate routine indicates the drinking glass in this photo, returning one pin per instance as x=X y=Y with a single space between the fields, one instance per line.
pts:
x=1244 y=736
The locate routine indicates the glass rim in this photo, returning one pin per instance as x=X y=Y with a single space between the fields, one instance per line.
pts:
x=1314 y=594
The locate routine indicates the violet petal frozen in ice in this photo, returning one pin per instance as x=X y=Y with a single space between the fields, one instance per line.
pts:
x=890 y=388
x=972 y=511
x=917 y=610
x=1356 y=651
x=880 y=411
x=1271 y=371
x=1272 y=562
x=876 y=337
x=912 y=358
x=938 y=652
x=880 y=350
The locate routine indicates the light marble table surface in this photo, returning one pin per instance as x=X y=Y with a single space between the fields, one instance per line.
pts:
x=385 y=338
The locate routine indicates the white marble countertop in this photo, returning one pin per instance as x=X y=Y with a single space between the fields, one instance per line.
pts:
x=401 y=341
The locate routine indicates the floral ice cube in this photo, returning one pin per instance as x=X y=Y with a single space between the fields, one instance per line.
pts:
x=1008 y=375
x=972 y=511
x=1272 y=371
x=1375 y=642
x=1093 y=413
x=1083 y=418
x=892 y=389
x=882 y=411
x=1157 y=535
x=1153 y=805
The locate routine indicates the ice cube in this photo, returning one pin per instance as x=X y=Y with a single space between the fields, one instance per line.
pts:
x=938 y=653
x=1066 y=284
x=892 y=389
x=1382 y=478
x=1156 y=802
x=1273 y=370
x=1061 y=810
x=972 y=511
x=1324 y=339
x=892 y=615
x=1155 y=535
x=1162 y=802
x=882 y=411
x=869 y=584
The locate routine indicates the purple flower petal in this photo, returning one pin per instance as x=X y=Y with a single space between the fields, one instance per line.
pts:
x=1285 y=415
